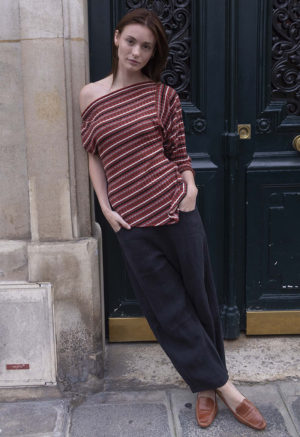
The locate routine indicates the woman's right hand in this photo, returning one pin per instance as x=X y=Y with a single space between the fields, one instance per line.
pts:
x=115 y=220
x=99 y=181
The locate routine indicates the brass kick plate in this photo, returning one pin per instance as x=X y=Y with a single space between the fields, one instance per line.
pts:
x=244 y=131
x=273 y=322
x=129 y=329
x=122 y=329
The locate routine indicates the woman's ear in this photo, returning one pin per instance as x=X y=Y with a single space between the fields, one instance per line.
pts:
x=116 y=37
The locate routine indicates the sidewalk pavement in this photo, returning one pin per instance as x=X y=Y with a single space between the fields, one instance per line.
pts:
x=150 y=413
x=144 y=397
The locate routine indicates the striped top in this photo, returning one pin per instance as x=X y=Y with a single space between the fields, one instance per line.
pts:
x=138 y=133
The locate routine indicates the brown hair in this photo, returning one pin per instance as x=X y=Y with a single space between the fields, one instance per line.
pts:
x=149 y=18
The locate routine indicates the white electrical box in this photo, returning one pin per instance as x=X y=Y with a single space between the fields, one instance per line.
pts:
x=27 y=334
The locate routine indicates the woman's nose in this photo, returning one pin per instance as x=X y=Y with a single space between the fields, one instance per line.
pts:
x=136 y=50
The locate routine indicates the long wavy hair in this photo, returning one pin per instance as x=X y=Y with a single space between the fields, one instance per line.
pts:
x=157 y=63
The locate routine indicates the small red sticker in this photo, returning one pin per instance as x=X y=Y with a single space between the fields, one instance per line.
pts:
x=17 y=366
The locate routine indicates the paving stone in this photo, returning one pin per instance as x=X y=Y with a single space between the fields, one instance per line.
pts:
x=139 y=366
x=263 y=358
x=125 y=414
x=289 y=388
x=250 y=359
x=266 y=397
x=291 y=393
x=39 y=418
x=295 y=407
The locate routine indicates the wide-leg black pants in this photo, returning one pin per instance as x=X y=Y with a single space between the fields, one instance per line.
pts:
x=170 y=271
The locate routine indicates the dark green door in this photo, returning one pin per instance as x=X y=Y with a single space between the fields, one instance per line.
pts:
x=240 y=97
x=269 y=99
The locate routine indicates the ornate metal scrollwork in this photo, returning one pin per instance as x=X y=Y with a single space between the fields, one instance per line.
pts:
x=175 y=16
x=281 y=109
x=286 y=53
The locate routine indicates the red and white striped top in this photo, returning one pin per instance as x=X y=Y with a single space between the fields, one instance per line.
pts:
x=138 y=133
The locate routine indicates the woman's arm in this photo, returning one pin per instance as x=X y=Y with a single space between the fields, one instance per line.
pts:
x=96 y=170
x=99 y=182
x=175 y=146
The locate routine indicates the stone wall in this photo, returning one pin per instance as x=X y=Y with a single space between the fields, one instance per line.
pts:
x=46 y=218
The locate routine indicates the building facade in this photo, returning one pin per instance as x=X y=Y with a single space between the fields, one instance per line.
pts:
x=236 y=68
x=47 y=231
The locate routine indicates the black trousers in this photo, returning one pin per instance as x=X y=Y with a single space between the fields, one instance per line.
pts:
x=170 y=271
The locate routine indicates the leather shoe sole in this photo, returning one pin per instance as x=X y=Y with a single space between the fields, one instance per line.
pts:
x=246 y=413
x=206 y=410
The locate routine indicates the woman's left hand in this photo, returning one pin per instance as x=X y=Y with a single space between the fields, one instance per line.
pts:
x=188 y=203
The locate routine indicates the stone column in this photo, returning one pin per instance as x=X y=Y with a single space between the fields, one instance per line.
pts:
x=46 y=214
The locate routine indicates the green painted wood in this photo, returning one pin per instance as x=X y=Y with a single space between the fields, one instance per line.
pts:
x=272 y=169
x=273 y=250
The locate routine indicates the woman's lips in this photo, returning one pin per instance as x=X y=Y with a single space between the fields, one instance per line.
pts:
x=134 y=62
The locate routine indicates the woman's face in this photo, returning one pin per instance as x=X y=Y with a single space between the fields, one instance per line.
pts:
x=135 y=43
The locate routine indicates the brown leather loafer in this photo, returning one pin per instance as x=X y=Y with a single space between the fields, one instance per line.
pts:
x=247 y=413
x=206 y=410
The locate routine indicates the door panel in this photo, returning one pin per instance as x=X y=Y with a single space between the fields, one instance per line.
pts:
x=273 y=254
x=269 y=100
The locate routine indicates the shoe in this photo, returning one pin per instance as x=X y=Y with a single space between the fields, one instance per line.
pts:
x=246 y=413
x=206 y=410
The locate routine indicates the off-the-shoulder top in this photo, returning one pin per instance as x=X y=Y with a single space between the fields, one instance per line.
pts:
x=138 y=133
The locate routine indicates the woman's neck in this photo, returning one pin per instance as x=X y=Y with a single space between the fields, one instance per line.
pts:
x=122 y=81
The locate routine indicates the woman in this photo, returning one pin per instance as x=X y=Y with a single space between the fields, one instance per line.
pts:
x=132 y=128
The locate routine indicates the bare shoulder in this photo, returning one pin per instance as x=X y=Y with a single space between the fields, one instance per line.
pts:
x=92 y=91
